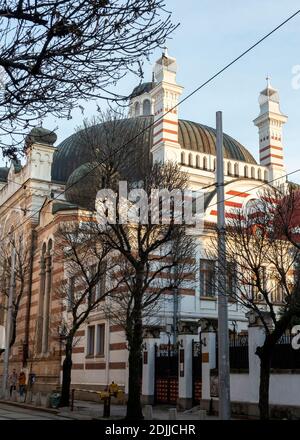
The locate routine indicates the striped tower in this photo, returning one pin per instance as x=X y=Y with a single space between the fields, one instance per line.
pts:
x=165 y=96
x=270 y=122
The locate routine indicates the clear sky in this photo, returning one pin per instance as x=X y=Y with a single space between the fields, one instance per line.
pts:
x=211 y=34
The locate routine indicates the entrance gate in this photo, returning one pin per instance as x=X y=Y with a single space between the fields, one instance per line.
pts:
x=166 y=373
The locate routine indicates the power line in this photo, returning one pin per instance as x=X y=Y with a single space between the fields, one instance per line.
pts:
x=219 y=72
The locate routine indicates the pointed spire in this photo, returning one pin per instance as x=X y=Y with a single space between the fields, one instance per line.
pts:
x=165 y=52
x=268 y=78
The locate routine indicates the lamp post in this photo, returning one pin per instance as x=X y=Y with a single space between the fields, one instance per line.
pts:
x=223 y=339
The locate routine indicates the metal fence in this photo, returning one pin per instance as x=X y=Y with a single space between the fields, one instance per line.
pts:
x=284 y=356
x=238 y=351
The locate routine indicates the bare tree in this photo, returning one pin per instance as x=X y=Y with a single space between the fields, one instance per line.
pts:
x=157 y=258
x=262 y=266
x=87 y=267
x=22 y=268
x=54 y=54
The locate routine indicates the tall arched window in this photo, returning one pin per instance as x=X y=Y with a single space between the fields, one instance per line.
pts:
x=44 y=299
x=190 y=160
x=229 y=170
x=246 y=174
x=147 y=107
x=205 y=163
x=137 y=109
x=197 y=161
x=236 y=169
x=252 y=173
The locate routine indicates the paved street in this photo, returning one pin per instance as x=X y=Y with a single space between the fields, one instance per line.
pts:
x=10 y=412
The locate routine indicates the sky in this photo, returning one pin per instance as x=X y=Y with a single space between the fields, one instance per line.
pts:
x=210 y=35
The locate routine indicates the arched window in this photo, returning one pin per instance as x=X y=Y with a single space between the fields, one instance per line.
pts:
x=236 y=169
x=182 y=158
x=146 y=107
x=266 y=176
x=197 y=161
x=229 y=170
x=190 y=160
x=259 y=174
x=214 y=165
x=246 y=173
x=137 y=109
x=205 y=163
x=252 y=173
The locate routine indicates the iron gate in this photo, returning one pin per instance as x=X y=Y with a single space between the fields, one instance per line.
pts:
x=197 y=372
x=166 y=373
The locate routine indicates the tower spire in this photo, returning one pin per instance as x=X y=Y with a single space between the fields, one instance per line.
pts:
x=270 y=123
x=165 y=96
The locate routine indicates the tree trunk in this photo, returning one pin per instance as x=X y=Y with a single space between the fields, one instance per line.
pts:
x=265 y=366
x=135 y=342
x=67 y=369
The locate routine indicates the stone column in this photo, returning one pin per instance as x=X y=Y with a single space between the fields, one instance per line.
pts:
x=187 y=333
x=208 y=339
x=151 y=337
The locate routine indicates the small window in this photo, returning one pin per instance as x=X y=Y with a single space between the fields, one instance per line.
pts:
x=71 y=292
x=207 y=277
x=93 y=274
x=100 y=288
x=146 y=107
x=182 y=158
x=90 y=340
x=100 y=339
x=137 y=109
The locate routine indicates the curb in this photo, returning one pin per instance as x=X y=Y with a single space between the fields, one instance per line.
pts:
x=31 y=407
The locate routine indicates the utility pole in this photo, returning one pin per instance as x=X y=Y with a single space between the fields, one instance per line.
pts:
x=8 y=322
x=223 y=338
x=175 y=317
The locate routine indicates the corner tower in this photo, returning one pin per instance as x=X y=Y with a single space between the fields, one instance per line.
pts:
x=270 y=123
x=165 y=96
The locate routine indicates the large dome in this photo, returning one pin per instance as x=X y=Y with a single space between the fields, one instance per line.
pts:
x=73 y=152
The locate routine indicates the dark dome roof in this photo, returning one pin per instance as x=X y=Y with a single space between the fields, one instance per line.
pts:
x=71 y=153
x=41 y=135
x=3 y=174
x=78 y=188
x=142 y=88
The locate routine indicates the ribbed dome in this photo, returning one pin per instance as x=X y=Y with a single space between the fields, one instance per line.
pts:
x=72 y=152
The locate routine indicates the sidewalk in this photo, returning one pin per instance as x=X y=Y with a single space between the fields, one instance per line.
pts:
x=94 y=410
x=85 y=410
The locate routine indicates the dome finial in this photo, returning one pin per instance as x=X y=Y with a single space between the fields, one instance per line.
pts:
x=165 y=52
x=268 y=78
